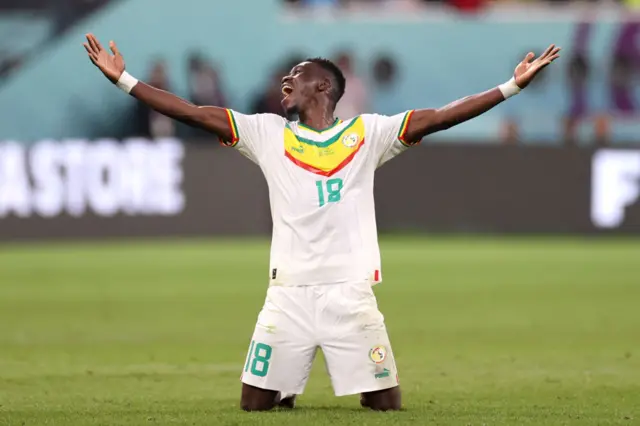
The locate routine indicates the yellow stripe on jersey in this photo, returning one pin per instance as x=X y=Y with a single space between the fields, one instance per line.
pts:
x=402 y=134
x=328 y=157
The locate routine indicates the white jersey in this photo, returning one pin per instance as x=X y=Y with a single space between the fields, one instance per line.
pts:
x=321 y=192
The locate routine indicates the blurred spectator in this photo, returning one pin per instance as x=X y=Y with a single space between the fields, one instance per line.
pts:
x=468 y=6
x=314 y=2
x=577 y=76
x=384 y=72
x=387 y=99
x=269 y=100
x=622 y=82
x=204 y=83
x=404 y=5
x=204 y=89
x=602 y=129
x=150 y=123
x=354 y=102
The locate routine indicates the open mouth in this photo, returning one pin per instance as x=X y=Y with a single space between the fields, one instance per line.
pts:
x=287 y=90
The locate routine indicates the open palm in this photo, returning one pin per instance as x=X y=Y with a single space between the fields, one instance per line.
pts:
x=112 y=66
x=526 y=70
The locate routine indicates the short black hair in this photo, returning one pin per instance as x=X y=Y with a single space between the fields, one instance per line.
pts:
x=340 y=81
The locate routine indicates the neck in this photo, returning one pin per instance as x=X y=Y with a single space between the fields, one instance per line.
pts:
x=318 y=117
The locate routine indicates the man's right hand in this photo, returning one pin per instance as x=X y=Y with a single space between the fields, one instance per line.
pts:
x=112 y=66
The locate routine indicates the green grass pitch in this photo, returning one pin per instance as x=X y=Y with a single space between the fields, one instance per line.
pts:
x=510 y=331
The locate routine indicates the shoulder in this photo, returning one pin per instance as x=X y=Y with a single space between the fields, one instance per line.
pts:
x=374 y=119
x=271 y=118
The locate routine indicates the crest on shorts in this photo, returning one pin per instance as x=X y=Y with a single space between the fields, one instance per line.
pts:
x=378 y=354
x=350 y=140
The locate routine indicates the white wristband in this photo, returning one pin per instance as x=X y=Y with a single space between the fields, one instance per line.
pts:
x=510 y=88
x=126 y=82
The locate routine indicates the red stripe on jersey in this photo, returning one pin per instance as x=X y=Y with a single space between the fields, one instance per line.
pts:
x=327 y=173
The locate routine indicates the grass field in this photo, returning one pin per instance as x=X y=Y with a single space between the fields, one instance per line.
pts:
x=486 y=331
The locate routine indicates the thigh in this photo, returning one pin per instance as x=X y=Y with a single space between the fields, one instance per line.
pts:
x=282 y=348
x=357 y=348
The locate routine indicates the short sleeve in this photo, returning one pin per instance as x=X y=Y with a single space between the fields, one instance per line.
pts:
x=250 y=132
x=388 y=135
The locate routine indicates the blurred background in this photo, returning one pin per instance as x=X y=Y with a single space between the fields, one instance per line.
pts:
x=77 y=153
x=510 y=263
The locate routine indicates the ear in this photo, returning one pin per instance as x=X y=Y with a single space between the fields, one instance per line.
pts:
x=324 y=85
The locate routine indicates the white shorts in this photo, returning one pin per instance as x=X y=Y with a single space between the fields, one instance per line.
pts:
x=341 y=319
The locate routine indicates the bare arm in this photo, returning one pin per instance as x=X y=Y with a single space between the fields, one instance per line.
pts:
x=210 y=118
x=426 y=121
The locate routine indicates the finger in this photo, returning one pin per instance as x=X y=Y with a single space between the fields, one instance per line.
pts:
x=98 y=43
x=553 y=58
x=92 y=55
x=88 y=46
x=93 y=59
x=547 y=51
x=555 y=54
x=92 y=43
x=114 y=48
x=529 y=57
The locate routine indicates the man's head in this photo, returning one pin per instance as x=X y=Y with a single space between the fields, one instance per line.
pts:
x=315 y=82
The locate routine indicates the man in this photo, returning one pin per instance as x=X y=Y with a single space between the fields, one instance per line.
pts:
x=324 y=252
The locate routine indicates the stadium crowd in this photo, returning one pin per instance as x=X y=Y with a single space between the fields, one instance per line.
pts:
x=460 y=5
x=372 y=83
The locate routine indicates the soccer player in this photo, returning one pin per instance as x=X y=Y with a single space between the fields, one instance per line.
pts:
x=324 y=250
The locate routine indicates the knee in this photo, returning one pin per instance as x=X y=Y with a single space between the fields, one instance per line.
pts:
x=385 y=406
x=256 y=399
x=253 y=405
x=387 y=400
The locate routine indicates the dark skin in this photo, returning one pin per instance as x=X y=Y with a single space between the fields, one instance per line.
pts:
x=309 y=91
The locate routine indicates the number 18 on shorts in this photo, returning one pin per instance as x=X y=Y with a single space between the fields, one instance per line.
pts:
x=258 y=359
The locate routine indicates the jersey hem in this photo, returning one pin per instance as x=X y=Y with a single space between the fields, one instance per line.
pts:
x=279 y=278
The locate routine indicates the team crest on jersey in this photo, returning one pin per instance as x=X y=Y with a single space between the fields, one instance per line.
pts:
x=350 y=140
x=325 y=155
x=378 y=354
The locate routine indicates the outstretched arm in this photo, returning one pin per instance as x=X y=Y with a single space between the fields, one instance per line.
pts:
x=426 y=121
x=210 y=118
